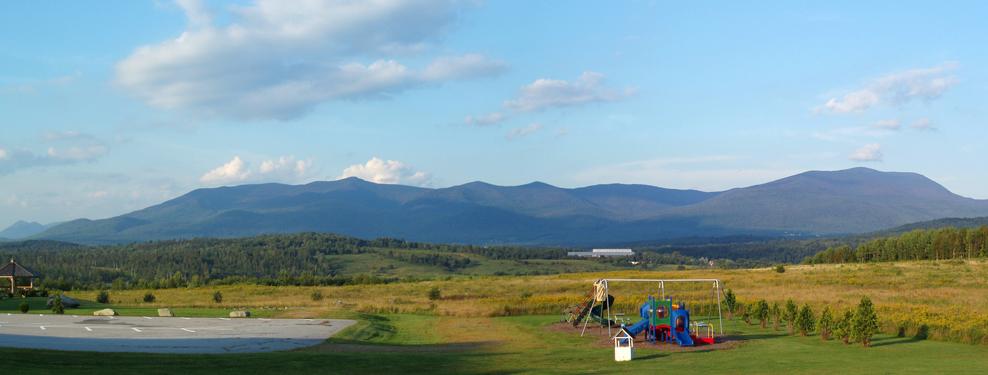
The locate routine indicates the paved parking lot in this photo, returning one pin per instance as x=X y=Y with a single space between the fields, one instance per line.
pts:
x=163 y=335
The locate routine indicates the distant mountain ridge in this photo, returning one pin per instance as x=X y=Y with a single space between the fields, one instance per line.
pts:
x=23 y=229
x=850 y=201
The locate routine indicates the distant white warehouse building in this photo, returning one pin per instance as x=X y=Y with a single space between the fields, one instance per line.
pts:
x=597 y=253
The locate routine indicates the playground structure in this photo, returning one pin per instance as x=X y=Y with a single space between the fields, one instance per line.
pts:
x=662 y=318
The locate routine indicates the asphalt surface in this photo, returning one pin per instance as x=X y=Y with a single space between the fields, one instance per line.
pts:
x=163 y=335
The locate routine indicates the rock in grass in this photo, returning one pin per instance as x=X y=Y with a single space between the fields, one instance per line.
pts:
x=105 y=312
x=165 y=312
x=240 y=314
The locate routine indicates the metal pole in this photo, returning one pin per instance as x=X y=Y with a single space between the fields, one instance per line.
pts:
x=720 y=315
x=662 y=284
x=607 y=300
x=586 y=318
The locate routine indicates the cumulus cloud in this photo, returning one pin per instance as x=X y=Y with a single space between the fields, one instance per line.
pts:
x=285 y=169
x=387 y=172
x=524 y=131
x=235 y=170
x=924 y=84
x=278 y=59
x=868 y=153
x=3 y=154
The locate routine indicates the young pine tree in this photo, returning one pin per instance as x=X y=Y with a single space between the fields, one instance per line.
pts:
x=731 y=303
x=842 y=327
x=746 y=312
x=789 y=315
x=826 y=324
x=762 y=312
x=805 y=320
x=864 y=323
x=776 y=312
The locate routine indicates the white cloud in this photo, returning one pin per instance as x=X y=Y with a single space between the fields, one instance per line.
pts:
x=285 y=169
x=925 y=84
x=196 y=13
x=387 y=172
x=923 y=124
x=546 y=93
x=235 y=170
x=62 y=148
x=524 y=131
x=891 y=125
x=77 y=153
x=868 y=153
x=278 y=59
x=492 y=118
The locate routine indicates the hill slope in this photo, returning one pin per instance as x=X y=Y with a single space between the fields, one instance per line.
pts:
x=22 y=229
x=849 y=201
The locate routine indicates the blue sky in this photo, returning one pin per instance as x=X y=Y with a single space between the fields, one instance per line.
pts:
x=107 y=107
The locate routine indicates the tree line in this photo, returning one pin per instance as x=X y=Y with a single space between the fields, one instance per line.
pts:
x=920 y=244
x=856 y=325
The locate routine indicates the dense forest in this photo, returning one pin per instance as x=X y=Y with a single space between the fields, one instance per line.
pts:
x=294 y=259
x=920 y=244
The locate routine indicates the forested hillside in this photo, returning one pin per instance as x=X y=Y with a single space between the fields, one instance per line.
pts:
x=298 y=259
x=920 y=244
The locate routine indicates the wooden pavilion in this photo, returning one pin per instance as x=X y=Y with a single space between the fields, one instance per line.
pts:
x=14 y=272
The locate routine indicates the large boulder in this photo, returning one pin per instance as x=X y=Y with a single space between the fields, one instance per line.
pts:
x=105 y=312
x=240 y=314
x=165 y=312
x=67 y=302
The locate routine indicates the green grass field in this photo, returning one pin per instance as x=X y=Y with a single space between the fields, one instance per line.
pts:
x=467 y=330
x=411 y=344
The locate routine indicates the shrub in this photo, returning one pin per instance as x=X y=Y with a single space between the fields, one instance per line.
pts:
x=730 y=302
x=762 y=312
x=148 y=297
x=316 y=295
x=103 y=297
x=218 y=297
x=780 y=268
x=865 y=322
x=24 y=307
x=789 y=315
x=435 y=294
x=57 y=306
x=776 y=313
x=805 y=321
x=826 y=324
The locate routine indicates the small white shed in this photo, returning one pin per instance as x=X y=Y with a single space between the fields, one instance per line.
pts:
x=624 y=346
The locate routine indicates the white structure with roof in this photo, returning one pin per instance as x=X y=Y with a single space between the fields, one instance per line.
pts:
x=597 y=253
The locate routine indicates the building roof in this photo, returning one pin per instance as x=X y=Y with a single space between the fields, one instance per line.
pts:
x=15 y=270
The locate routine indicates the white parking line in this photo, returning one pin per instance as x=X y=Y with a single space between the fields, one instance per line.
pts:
x=147 y=317
x=136 y=330
x=224 y=318
x=42 y=328
x=188 y=330
x=187 y=318
x=88 y=329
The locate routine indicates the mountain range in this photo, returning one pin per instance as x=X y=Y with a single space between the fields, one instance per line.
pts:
x=856 y=200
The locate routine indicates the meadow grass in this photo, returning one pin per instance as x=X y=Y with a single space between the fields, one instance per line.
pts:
x=950 y=298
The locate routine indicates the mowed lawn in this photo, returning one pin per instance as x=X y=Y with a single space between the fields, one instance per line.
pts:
x=425 y=344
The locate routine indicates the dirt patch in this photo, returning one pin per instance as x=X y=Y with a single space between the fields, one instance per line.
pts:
x=603 y=340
